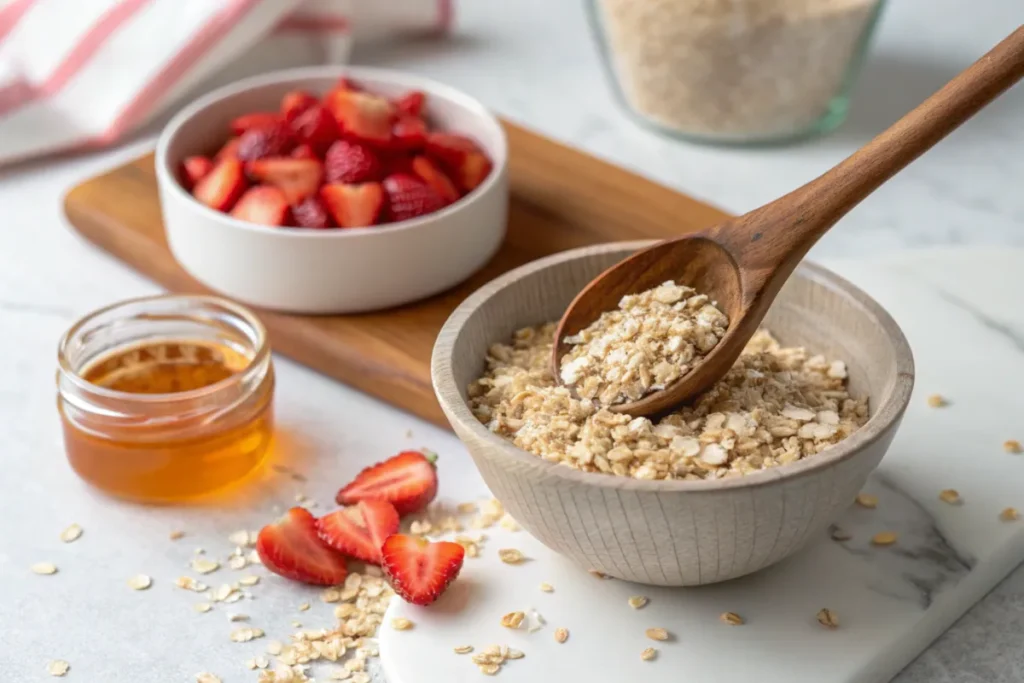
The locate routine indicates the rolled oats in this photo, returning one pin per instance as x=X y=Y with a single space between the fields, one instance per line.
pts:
x=884 y=538
x=652 y=339
x=1012 y=446
x=561 y=635
x=72 y=533
x=58 y=667
x=547 y=587
x=738 y=427
x=732 y=619
x=951 y=496
x=511 y=556
x=937 y=401
x=648 y=654
x=637 y=601
x=867 y=500
x=1009 y=515
x=44 y=568
x=656 y=634
x=401 y=624
x=463 y=649
x=513 y=619
x=140 y=582
x=828 y=618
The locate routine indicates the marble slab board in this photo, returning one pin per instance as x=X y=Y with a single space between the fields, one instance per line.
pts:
x=966 y=327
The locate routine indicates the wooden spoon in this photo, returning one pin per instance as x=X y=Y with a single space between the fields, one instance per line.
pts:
x=743 y=262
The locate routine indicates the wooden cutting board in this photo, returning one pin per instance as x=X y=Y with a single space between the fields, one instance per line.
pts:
x=561 y=199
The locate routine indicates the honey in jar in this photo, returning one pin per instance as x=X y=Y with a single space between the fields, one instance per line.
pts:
x=166 y=398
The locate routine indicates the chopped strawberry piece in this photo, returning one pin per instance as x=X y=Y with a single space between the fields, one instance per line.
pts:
x=395 y=162
x=257 y=143
x=353 y=206
x=345 y=83
x=473 y=171
x=433 y=176
x=228 y=151
x=296 y=102
x=359 y=531
x=222 y=186
x=263 y=204
x=311 y=213
x=260 y=119
x=361 y=116
x=408 y=481
x=317 y=128
x=409 y=197
x=296 y=178
x=418 y=570
x=468 y=164
x=193 y=169
x=303 y=152
x=411 y=103
x=290 y=547
x=409 y=133
x=351 y=162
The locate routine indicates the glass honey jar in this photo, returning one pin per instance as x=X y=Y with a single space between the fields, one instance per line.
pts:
x=166 y=398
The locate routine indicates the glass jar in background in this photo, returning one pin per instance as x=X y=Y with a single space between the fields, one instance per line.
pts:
x=735 y=71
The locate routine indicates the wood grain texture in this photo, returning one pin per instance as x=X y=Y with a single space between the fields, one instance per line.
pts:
x=561 y=199
x=743 y=262
x=678 y=532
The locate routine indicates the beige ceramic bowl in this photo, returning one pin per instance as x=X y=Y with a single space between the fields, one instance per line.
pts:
x=678 y=533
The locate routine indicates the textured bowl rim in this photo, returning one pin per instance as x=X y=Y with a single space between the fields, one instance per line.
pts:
x=889 y=411
x=168 y=176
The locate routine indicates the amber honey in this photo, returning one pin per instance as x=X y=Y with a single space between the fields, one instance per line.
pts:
x=155 y=417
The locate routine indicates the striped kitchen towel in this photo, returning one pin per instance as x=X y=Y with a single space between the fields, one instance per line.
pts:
x=76 y=74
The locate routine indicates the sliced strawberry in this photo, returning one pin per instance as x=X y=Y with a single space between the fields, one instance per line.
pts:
x=291 y=548
x=193 y=169
x=222 y=186
x=361 y=116
x=409 y=197
x=409 y=133
x=411 y=103
x=345 y=83
x=260 y=119
x=353 y=206
x=396 y=162
x=303 y=152
x=418 y=570
x=408 y=481
x=228 y=151
x=359 y=531
x=433 y=176
x=473 y=171
x=263 y=204
x=317 y=128
x=351 y=162
x=272 y=141
x=296 y=102
x=311 y=213
x=296 y=178
x=466 y=161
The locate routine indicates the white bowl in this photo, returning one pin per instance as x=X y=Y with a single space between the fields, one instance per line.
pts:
x=340 y=270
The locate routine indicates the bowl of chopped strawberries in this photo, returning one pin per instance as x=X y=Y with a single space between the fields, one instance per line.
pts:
x=333 y=190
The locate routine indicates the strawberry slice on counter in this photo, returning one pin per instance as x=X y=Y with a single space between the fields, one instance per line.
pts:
x=272 y=141
x=260 y=119
x=409 y=197
x=296 y=102
x=317 y=128
x=362 y=116
x=360 y=530
x=296 y=178
x=411 y=103
x=408 y=481
x=409 y=133
x=351 y=162
x=311 y=213
x=434 y=177
x=291 y=547
x=194 y=169
x=418 y=570
x=222 y=186
x=467 y=162
x=263 y=204
x=353 y=206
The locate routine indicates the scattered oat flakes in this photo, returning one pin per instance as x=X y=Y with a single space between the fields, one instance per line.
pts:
x=238 y=617
x=202 y=607
x=597 y=574
x=331 y=595
x=638 y=601
x=360 y=677
x=937 y=401
x=884 y=538
x=274 y=647
x=732 y=619
x=656 y=634
x=245 y=634
x=511 y=556
x=490 y=669
x=242 y=538
x=1013 y=446
x=463 y=649
x=828 y=618
x=867 y=500
x=44 y=568
x=237 y=562
x=140 y=582
x=176 y=535
x=250 y=580
x=205 y=566
x=401 y=624
x=58 y=667
x=514 y=654
x=951 y=496
x=466 y=508
x=561 y=635
x=207 y=678
x=547 y=587
x=189 y=584
x=304 y=607
x=513 y=619
x=648 y=654
x=1009 y=515
x=72 y=533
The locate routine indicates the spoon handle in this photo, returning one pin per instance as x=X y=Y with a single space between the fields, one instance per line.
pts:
x=801 y=217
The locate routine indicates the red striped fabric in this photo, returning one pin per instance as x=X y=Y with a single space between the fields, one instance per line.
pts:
x=11 y=14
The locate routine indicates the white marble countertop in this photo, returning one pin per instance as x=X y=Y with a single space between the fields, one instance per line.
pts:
x=534 y=61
